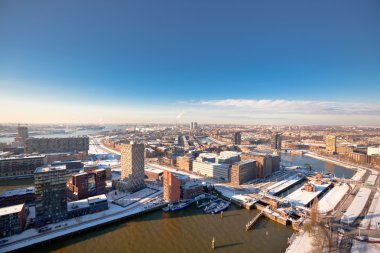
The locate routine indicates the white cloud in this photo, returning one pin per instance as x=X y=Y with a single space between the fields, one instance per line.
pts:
x=295 y=106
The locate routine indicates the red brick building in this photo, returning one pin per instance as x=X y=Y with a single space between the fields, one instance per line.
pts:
x=172 y=187
x=87 y=184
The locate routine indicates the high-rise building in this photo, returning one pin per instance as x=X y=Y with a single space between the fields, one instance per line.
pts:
x=331 y=143
x=50 y=189
x=22 y=133
x=237 y=138
x=132 y=166
x=243 y=171
x=193 y=125
x=276 y=141
x=172 y=187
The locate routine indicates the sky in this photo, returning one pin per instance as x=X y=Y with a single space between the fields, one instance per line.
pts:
x=211 y=61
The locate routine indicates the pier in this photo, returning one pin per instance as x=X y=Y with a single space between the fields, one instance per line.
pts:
x=252 y=222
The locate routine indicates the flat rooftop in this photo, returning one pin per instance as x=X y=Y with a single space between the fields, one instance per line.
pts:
x=22 y=157
x=50 y=168
x=18 y=191
x=153 y=170
x=97 y=198
x=245 y=161
x=11 y=209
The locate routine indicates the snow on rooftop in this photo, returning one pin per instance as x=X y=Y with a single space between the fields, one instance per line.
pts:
x=154 y=170
x=371 y=180
x=50 y=168
x=11 y=209
x=358 y=175
x=18 y=191
x=332 y=198
x=372 y=218
x=302 y=197
x=97 y=198
x=357 y=206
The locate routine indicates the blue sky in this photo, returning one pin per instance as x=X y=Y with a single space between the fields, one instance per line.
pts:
x=280 y=62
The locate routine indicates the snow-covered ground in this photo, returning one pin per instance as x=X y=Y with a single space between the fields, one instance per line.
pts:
x=357 y=206
x=303 y=243
x=372 y=218
x=332 y=198
x=302 y=198
x=32 y=236
x=365 y=247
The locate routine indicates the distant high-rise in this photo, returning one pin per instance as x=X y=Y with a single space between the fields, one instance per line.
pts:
x=50 y=189
x=132 y=166
x=22 y=133
x=237 y=138
x=276 y=141
x=331 y=143
x=193 y=125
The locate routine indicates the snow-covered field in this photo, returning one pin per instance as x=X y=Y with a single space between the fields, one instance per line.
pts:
x=357 y=206
x=332 y=198
x=303 y=243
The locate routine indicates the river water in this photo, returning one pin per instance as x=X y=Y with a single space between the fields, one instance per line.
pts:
x=186 y=231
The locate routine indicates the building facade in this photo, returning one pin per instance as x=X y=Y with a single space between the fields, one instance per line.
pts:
x=132 y=166
x=14 y=167
x=12 y=220
x=237 y=138
x=243 y=171
x=56 y=145
x=185 y=163
x=87 y=184
x=266 y=164
x=172 y=187
x=17 y=196
x=331 y=143
x=220 y=172
x=50 y=188
x=276 y=141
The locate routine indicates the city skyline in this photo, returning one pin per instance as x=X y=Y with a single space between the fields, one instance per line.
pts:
x=215 y=62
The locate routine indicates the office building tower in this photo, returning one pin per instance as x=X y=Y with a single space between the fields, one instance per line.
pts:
x=22 y=133
x=50 y=190
x=276 y=141
x=331 y=143
x=243 y=171
x=132 y=166
x=237 y=138
x=172 y=187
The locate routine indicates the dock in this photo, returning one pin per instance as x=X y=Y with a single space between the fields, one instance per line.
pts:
x=252 y=222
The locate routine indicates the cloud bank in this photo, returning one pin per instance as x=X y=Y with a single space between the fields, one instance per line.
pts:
x=295 y=106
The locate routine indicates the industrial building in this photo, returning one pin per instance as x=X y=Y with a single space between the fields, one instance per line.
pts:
x=243 y=171
x=50 y=187
x=56 y=145
x=266 y=163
